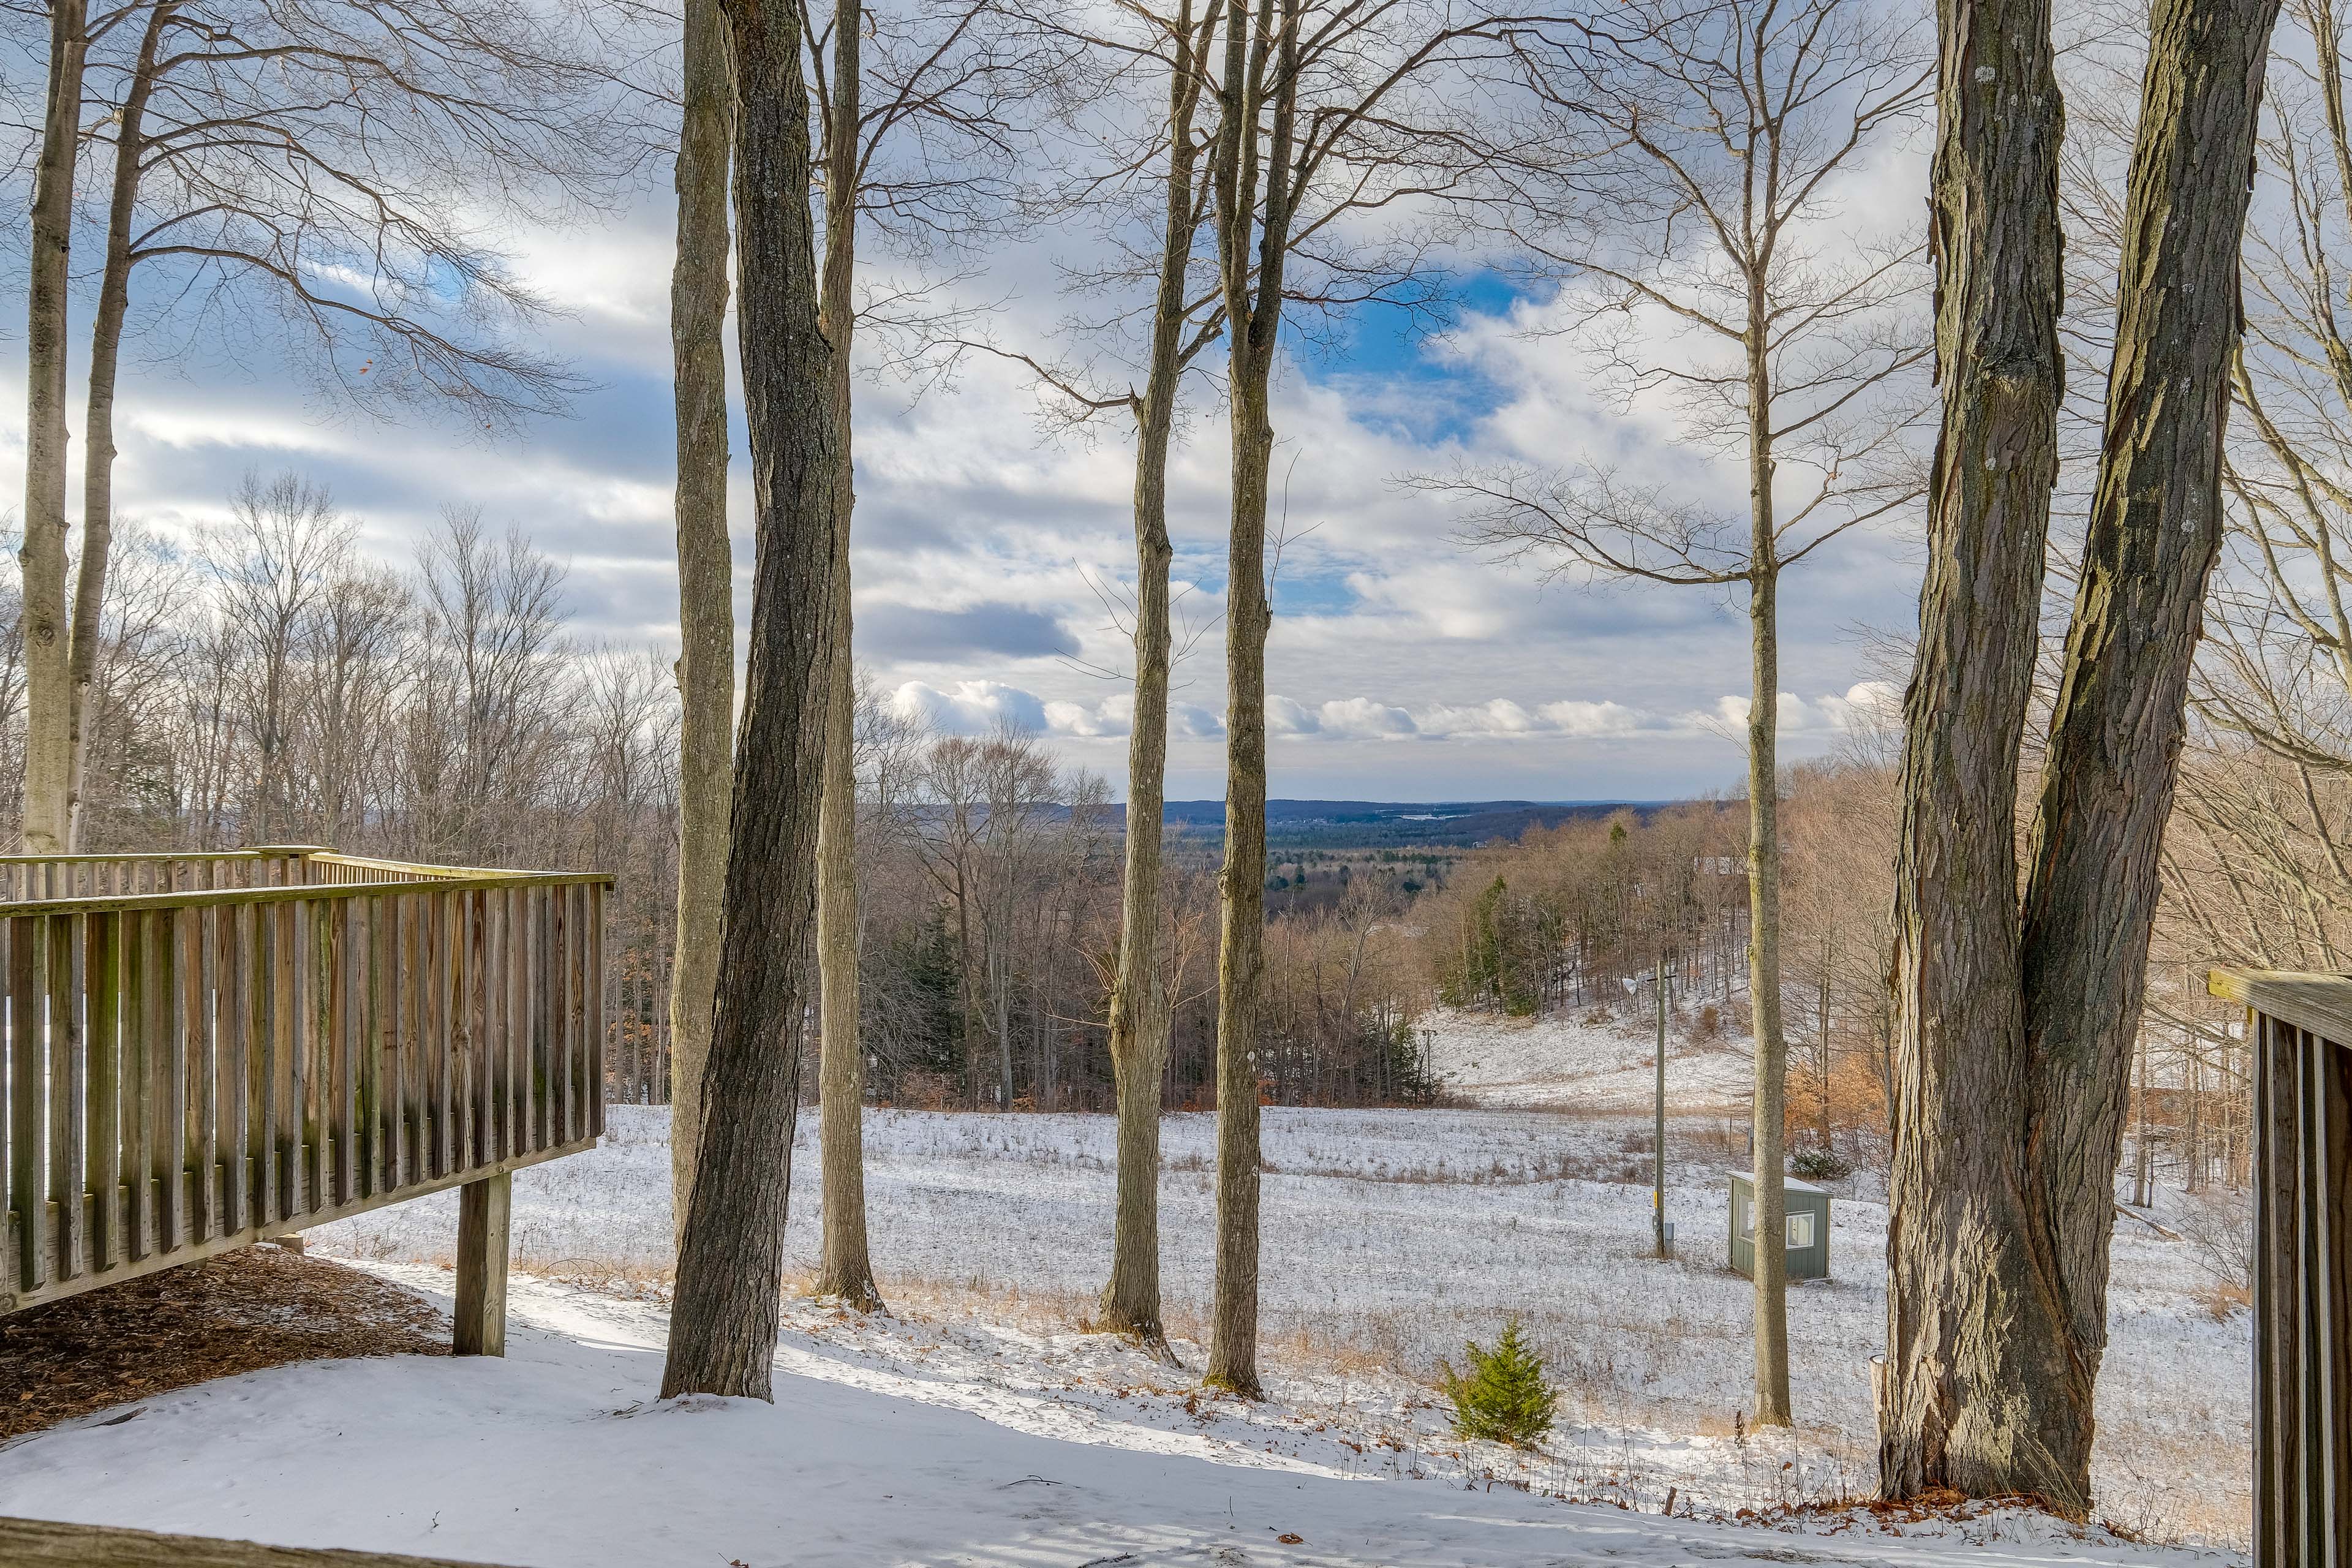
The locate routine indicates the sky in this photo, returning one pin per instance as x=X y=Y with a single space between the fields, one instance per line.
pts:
x=991 y=544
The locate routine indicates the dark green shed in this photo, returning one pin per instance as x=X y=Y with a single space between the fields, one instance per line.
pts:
x=1809 y=1227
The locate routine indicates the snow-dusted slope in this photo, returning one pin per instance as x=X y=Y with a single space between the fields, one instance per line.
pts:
x=1584 y=1062
x=558 y=1455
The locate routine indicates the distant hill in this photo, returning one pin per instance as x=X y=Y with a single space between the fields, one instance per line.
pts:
x=1370 y=824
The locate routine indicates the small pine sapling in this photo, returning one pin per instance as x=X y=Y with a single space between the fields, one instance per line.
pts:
x=1505 y=1398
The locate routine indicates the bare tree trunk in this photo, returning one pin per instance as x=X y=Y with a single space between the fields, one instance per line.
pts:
x=730 y=1269
x=1141 y=1010
x=846 y=1271
x=98 y=452
x=48 y=693
x=1241 y=948
x=706 y=576
x=2017 y=1022
x=1770 y=1100
x=1253 y=326
x=2140 y=1154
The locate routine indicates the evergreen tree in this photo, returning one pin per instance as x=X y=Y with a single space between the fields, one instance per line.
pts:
x=1506 y=1397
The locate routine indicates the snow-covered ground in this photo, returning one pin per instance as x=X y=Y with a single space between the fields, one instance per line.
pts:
x=559 y=1456
x=1390 y=1237
x=981 y=1425
x=1586 y=1060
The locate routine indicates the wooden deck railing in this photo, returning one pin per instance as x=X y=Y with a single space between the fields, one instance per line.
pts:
x=198 y=1051
x=2300 y=1027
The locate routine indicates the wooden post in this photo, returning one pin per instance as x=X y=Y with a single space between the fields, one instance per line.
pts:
x=483 y=1208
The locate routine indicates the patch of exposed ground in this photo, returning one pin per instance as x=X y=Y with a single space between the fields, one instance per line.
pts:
x=241 y=1311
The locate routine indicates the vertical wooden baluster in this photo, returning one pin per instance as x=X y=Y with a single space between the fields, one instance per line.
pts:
x=432 y=1081
x=300 y=1130
x=559 y=978
x=10 y=1285
x=535 y=1003
x=375 y=1079
x=313 y=919
x=337 y=1117
x=264 y=1061
x=233 y=1059
x=166 y=1054
x=575 y=975
x=393 y=1083
x=600 y=1010
x=103 y=1120
x=415 y=1141
x=494 y=1024
x=510 y=1012
x=478 y=1013
x=68 y=1077
x=24 y=1074
x=448 y=1130
x=199 y=946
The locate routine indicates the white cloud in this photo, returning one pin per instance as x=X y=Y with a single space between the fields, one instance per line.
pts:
x=973 y=708
x=1111 y=717
x=1361 y=718
x=1864 y=703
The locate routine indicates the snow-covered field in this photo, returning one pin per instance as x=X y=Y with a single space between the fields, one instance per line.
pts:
x=1389 y=1237
x=1392 y=1236
x=1588 y=1060
x=559 y=1456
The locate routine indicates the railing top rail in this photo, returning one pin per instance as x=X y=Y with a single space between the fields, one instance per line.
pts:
x=2317 y=1002
x=417 y=869
x=196 y=898
x=144 y=856
x=389 y=878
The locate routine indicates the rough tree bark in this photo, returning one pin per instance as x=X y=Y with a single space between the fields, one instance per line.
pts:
x=2017 y=1014
x=48 y=693
x=1262 y=54
x=1141 y=1010
x=731 y=1267
x=705 y=575
x=1769 y=1105
x=846 y=1271
x=97 y=435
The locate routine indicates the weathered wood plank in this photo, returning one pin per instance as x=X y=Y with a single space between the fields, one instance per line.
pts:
x=189 y=1250
x=41 y=1543
x=67 y=1070
x=137 y=1083
x=485 y=1209
x=24 y=1102
x=102 y=1114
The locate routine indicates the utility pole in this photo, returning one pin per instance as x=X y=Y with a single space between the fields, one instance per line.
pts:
x=1658 y=1151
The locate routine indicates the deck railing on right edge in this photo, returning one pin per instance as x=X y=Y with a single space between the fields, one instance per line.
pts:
x=2300 y=1027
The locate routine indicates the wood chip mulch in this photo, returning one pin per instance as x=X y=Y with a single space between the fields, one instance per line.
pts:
x=241 y=1311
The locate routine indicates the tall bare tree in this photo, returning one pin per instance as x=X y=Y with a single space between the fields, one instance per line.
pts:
x=1183 y=325
x=731 y=1267
x=921 y=161
x=46 y=820
x=1696 y=203
x=1141 y=1007
x=2017 y=1012
x=706 y=573
x=845 y=1270
x=255 y=139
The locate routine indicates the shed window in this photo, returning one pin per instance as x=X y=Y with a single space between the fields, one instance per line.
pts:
x=1800 y=1231
x=1744 y=1214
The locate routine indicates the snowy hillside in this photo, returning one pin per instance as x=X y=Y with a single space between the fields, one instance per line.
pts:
x=1590 y=1060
